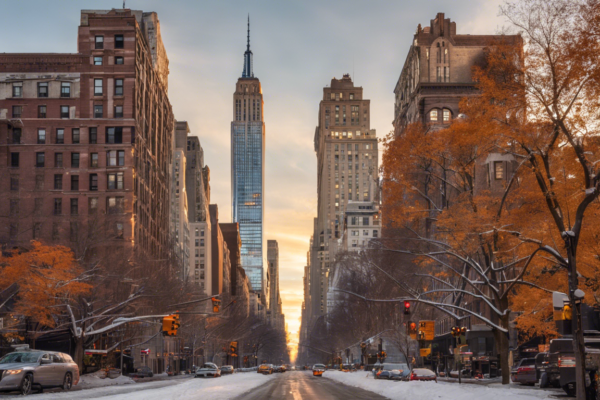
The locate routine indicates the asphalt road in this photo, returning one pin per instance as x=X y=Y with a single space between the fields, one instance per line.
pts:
x=301 y=385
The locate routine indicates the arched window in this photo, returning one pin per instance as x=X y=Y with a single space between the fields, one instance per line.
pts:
x=439 y=53
x=433 y=115
x=447 y=115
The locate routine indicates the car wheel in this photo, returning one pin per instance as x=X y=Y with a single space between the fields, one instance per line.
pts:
x=544 y=380
x=67 y=381
x=26 y=385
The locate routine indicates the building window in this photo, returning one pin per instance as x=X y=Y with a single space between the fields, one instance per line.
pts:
x=40 y=159
x=202 y=233
x=41 y=111
x=119 y=61
x=375 y=234
x=57 y=206
x=119 y=42
x=98 y=111
x=115 y=157
x=115 y=205
x=14 y=207
x=97 y=60
x=447 y=115
x=14 y=160
x=351 y=96
x=41 y=136
x=93 y=182
x=92 y=205
x=498 y=170
x=118 y=111
x=94 y=160
x=65 y=89
x=64 y=111
x=58 y=160
x=42 y=89
x=74 y=182
x=58 y=178
x=118 y=87
x=37 y=230
x=60 y=135
x=197 y=242
x=115 y=181
x=99 y=42
x=37 y=207
x=16 y=136
x=74 y=231
x=74 y=160
x=365 y=221
x=39 y=182
x=55 y=233
x=75 y=135
x=17 y=111
x=114 y=135
x=433 y=115
x=98 y=87
x=14 y=183
x=119 y=230
x=74 y=206
x=17 y=89
x=93 y=135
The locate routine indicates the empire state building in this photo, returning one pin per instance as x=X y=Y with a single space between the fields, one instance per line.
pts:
x=248 y=169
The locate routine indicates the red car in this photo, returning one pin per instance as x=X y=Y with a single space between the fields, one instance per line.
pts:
x=422 y=374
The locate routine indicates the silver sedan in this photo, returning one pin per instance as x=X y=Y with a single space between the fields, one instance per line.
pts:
x=25 y=369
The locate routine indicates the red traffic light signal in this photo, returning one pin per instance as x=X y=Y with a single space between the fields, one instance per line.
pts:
x=406 y=307
x=216 y=304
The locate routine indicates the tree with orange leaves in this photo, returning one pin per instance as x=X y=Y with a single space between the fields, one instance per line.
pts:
x=46 y=277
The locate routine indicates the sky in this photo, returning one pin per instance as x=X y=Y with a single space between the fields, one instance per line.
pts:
x=298 y=46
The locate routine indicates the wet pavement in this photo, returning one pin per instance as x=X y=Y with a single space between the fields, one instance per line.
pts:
x=301 y=385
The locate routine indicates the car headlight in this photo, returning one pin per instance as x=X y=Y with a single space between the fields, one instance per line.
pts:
x=13 y=371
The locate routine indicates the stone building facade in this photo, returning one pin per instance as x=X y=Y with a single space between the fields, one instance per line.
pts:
x=347 y=160
x=88 y=135
x=437 y=73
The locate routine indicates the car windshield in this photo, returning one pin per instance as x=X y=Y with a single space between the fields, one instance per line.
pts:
x=527 y=361
x=319 y=366
x=20 y=358
x=391 y=367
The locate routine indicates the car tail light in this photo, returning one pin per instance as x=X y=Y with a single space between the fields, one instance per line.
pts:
x=566 y=361
x=413 y=376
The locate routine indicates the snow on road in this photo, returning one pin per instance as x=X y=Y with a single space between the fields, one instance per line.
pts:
x=224 y=388
x=436 y=391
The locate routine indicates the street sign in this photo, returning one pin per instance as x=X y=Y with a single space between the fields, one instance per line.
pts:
x=428 y=330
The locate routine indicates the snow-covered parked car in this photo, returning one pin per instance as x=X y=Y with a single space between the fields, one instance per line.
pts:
x=208 y=369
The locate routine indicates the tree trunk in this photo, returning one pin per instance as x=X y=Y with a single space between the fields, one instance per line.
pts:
x=501 y=339
x=578 y=343
x=79 y=353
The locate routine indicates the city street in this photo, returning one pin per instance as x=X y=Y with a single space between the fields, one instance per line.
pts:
x=301 y=385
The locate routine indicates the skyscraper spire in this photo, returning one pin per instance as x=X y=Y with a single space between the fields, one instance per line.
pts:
x=248 y=73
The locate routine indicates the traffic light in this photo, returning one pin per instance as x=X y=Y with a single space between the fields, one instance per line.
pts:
x=233 y=348
x=463 y=330
x=216 y=304
x=175 y=324
x=406 y=307
x=412 y=330
x=167 y=325
x=455 y=331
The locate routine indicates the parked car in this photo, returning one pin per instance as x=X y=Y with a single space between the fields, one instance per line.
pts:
x=422 y=374
x=227 y=369
x=25 y=369
x=389 y=375
x=546 y=367
x=524 y=372
x=280 y=368
x=401 y=369
x=266 y=369
x=143 y=372
x=561 y=352
x=208 y=369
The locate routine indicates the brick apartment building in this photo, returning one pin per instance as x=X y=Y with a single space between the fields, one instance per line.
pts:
x=86 y=137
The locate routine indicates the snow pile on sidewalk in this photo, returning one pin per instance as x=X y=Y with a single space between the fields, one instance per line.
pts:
x=89 y=381
x=224 y=388
x=435 y=391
